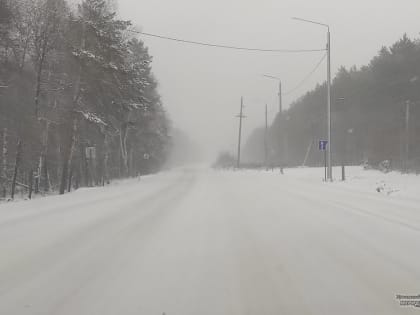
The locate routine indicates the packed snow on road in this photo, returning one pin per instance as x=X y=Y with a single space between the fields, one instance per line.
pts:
x=202 y=241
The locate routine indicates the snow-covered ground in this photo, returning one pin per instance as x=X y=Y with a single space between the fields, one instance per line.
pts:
x=358 y=179
x=199 y=241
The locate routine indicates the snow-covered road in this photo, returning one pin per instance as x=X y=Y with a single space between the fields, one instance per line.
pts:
x=203 y=242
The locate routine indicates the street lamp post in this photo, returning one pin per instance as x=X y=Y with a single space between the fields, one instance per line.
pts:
x=284 y=160
x=329 y=155
x=280 y=94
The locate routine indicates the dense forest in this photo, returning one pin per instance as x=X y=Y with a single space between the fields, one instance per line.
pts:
x=78 y=101
x=375 y=116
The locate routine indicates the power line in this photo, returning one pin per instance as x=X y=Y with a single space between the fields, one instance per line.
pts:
x=307 y=76
x=226 y=46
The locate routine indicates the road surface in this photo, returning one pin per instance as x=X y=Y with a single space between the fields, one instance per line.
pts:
x=203 y=242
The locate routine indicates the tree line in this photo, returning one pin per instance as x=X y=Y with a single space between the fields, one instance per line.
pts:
x=375 y=116
x=79 y=104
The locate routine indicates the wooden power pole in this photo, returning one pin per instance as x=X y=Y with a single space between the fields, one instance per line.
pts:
x=240 y=116
x=266 y=138
x=407 y=136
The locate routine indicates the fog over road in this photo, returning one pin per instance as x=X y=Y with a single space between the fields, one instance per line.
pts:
x=203 y=242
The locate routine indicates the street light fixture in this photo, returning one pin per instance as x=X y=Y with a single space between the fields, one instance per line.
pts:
x=280 y=94
x=329 y=159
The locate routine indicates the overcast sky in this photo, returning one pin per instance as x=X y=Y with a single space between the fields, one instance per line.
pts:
x=201 y=87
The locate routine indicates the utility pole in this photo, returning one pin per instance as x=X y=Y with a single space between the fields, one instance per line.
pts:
x=280 y=99
x=266 y=138
x=4 y=163
x=280 y=93
x=330 y=175
x=279 y=115
x=240 y=116
x=329 y=148
x=407 y=134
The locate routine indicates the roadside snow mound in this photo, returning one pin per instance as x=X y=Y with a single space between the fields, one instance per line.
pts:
x=382 y=187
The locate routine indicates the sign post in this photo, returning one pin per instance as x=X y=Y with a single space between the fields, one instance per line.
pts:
x=90 y=152
x=322 y=146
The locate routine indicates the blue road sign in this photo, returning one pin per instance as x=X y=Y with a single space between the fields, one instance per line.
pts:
x=323 y=145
